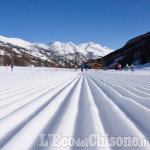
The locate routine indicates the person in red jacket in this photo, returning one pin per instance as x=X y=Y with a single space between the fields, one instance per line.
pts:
x=116 y=66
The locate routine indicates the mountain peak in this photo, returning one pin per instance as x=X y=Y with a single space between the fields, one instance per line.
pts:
x=70 y=43
x=55 y=42
x=91 y=43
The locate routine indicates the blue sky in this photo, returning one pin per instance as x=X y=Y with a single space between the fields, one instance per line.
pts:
x=110 y=23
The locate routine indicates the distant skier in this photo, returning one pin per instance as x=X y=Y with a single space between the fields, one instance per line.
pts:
x=127 y=66
x=86 y=67
x=76 y=67
x=119 y=66
x=56 y=66
x=12 y=67
x=132 y=68
x=82 y=66
x=6 y=67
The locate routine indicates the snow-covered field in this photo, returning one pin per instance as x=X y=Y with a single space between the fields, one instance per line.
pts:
x=38 y=101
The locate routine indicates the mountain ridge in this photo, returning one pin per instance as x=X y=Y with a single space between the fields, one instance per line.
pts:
x=54 y=52
x=23 y=43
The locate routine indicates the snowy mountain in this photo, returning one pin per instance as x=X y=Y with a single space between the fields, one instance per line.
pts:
x=94 y=49
x=64 y=48
x=54 y=52
x=85 y=49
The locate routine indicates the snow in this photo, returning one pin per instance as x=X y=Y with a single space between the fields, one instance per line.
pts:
x=16 y=41
x=59 y=47
x=1 y=52
x=36 y=100
x=143 y=67
x=68 y=47
x=96 y=49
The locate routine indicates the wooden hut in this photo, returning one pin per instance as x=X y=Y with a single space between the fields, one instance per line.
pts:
x=95 y=66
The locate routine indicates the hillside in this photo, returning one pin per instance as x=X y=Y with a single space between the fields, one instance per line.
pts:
x=136 y=51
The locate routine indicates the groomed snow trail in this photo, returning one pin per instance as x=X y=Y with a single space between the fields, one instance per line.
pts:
x=35 y=101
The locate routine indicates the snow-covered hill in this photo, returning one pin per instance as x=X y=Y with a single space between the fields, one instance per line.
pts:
x=57 y=50
x=16 y=41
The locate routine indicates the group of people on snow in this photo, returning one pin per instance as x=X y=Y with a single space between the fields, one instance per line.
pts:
x=118 y=67
x=127 y=67
x=82 y=67
x=11 y=66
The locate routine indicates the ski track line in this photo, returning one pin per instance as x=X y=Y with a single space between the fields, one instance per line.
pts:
x=20 y=87
x=51 y=112
x=126 y=79
x=131 y=108
x=128 y=83
x=19 y=118
x=63 y=120
x=87 y=120
x=135 y=90
x=34 y=88
x=131 y=83
x=32 y=97
x=19 y=90
x=126 y=93
x=114 y=120
x=10 y=83
x=28 y=90
x=25 y=84
x=18 y=104
x=110 y=87
x=139 y=87
x=9 y=99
